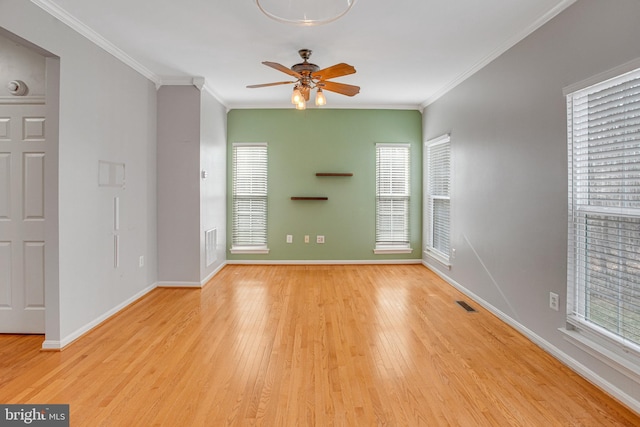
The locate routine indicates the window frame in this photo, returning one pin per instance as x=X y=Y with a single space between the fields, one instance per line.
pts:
x=429 y=199
x=609 y=347
x=393 y=247
x=246 y=247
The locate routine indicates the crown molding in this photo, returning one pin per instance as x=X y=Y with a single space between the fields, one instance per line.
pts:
x=207 y=88
x=199 y=82
x=180 y=81
x=78 y=26
x=287 y=106
x=508 y=44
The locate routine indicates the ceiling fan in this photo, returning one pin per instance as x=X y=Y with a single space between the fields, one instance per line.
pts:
x=309 y=76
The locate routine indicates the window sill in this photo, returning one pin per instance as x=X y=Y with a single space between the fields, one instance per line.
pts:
x=249 y=250
x=386 y=250
x=624 y=361
x=437 y=257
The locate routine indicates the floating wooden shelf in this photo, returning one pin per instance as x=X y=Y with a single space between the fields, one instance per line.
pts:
x=308 y=198
x=334 y=174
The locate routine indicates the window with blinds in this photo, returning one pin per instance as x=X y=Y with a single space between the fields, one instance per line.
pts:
x=392 y=198
x=604 y=209
x=249 y=223
x=437 y=197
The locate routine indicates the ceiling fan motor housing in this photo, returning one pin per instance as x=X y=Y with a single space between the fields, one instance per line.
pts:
x=305 y=68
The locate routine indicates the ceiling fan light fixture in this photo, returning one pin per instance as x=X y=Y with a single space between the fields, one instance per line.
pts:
x=320 y=98
x=296 y=97
x=305 y=12
x=309 y=77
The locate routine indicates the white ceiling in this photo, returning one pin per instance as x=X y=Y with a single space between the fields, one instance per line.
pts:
x=407 y=53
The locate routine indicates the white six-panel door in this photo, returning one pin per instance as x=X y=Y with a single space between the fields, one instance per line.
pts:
x=22 y=153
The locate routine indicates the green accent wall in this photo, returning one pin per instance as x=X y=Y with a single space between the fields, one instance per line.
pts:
x=302 y=143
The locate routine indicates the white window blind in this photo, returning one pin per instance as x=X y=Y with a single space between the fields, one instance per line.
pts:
x=437 y=200
x=604 y=209
x=392 y=195
x=249 y=224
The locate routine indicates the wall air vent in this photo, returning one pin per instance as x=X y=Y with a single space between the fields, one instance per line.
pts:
x=211 y=241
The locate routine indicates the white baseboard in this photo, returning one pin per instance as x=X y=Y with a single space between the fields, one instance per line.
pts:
x=563 y=357
x=213 y=273
x=179 y=285
x=323 y=262
x=59 y=345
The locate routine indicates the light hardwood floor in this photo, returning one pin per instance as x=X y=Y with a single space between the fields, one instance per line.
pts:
x=305 y=345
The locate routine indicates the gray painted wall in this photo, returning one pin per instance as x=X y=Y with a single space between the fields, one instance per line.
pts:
x=509 y=151
x=191 y=138
x=178 y=184
x=107 y=111
x=213 y=160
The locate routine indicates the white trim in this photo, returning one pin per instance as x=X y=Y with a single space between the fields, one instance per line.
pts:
x=78 y=26
x=508 y=44
x=322 y=262
x=51 y=345
x=29 y=99
x=631 y=402
x=197 y=81
x=602 y=77
x=250 y=144
x=179 y=284
x=213 y=273
x=249 y=250
x=354 y=106
x=393 y=144
x=59 y=345
x=181 y=81
x=428 y=200
x=437 y=257
x=587 y=343
x=387 y=250
x=207 y=88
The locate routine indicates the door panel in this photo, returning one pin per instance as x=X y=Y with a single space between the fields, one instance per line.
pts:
x=34 y=274
x=5 y=186
x=33 y=186
x=5 y=128
x=22 y=218
x=5 y=275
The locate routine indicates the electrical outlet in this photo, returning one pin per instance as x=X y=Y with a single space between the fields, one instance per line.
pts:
x=306 y=238
x=141 y=261
x=554 y=301
x=319 y=239
x=289 y=238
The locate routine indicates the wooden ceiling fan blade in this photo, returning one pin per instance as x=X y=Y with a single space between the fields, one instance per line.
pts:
x=337 y=70
x=340 y=88
x=282 y=68
x=270 y=84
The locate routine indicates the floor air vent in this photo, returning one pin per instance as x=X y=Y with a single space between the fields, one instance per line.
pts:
x=466 y=306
